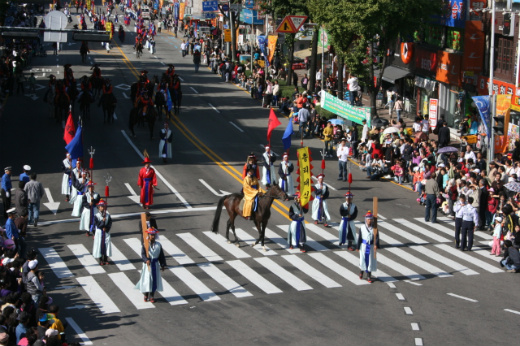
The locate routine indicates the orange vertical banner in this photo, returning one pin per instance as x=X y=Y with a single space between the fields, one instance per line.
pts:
x=271 y=44
x=503 y=108
x=181 y=10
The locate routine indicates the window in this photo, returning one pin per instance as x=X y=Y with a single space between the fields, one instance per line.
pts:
x=504 y=66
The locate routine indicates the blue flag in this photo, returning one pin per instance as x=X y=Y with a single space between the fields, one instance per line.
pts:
x=75 y=146
x=482 y=103
x=286 y=139
x=169 y=101
x=262 y=42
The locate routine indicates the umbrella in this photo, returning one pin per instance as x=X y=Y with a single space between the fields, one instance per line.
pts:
x=513 y=186
x=446 y=150
x=389 y=130
x=336 y=121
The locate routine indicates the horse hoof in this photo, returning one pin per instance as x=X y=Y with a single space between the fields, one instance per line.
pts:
x=252 y=245
x=237 y=244
x=229 y=241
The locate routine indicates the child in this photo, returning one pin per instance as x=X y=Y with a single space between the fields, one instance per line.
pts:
x=497 y=232
x=398 y=172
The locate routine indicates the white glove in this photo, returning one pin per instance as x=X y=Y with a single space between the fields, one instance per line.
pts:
x=7 y=194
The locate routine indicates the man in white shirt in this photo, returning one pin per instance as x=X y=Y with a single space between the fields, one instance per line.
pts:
x=342 y=154
x=469 y=154
x=364 y=133
x=353 y=88
x=425 y=125
x=183 y=48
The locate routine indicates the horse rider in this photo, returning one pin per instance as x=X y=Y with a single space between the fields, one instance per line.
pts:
x=250 y=190
x=68 y=75
x=141 y=88
x=144 y=74
x=176 y=85
x=138 y=41
x=107 y=90
x=170 y=72
x=96 y=73
x=51 y=85
x=143 y=103
x=86 y=86
x=61 y=90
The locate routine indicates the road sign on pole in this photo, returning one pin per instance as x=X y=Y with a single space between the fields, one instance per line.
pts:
x=298 y=21
x=55 y=20
x=291 y=24
x=210 y=6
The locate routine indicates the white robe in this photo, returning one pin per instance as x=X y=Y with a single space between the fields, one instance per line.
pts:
x=73 y=191
x=272 y=171
x=367 y=237
x=316 y=205
x=65 y=188
x=162 y=143
x=84 y=222
x=288 y=185
x=350 y=227
x=98 y=238
x=146 y=281
x=293 y=238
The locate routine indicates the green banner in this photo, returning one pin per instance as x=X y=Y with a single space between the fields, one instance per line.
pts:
x=345 y=110
x=323 y=38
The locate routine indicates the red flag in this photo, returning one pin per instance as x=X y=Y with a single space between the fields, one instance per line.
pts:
x=70 y=130
x=272 y=124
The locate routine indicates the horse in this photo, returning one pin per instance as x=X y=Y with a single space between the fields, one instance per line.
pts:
x=139 y=50
x=97 y=85
x=108 y=104
x=61 y=108
x=161 y=104
x=260 y=217
x=149 y=87
x=84 y=105
x=136 y=117
x=176 y=93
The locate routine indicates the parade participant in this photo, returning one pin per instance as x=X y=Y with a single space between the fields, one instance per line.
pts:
x=251 y=164
x=320 y=211
x=165 y=144
x=250 y=190
x=347 y=229
x=68 y=75
x=102 y=248
x=66 y=181
x=147 y=181
x=470 y=223
x=297 y=234
x=74 y=175
x=80 y=189
x=150 y=280
x=144 y=102
x=286 y=181
x=25 y=176
x=366 y=246
x=170 y=72
x=96 y=73
x=86 y=86
x=107 y=90
x=6 y=189
x=144 y=74
x=90 y=199
x=268 y=171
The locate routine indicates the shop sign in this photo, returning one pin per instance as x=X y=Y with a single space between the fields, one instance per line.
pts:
x=474 y=42
x=448 y=68
x=455 y=13
x=426 y=60
x=432 y=114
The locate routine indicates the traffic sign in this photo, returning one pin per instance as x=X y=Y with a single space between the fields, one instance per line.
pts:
x=225 y=7
x=250 y=3
x=210 y=6
x=210 y=15
x=227 y=35
x=286 y=26
x=298 y=21
x=235 y=7
x=55 y=20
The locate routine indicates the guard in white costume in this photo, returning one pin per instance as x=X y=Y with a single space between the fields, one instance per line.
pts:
x=165 y=144
x=102 y=248
x=347 y=229
x=297 y=234
x=367 y=246
x=90 y=200
x=268 y=171
x=76 y=174
x=80 y=188
x=286 y=180
x=320 y=211
x=150 y=275
x=66 y=182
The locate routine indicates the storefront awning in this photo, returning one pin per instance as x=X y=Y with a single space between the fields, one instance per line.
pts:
x=392 y=73
x=302 y=54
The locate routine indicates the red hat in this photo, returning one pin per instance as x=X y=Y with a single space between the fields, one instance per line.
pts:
x=321 y=175
x=147 y=160
x=90 y=183
x=101 y=202
x=349 y=194
x=297 y=194
x=369 y=215
x=152 y=230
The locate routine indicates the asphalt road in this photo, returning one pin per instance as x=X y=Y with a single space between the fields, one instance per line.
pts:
x=427 y=295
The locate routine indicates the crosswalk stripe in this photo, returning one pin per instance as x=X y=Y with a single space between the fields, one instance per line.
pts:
x=86 y=259
x=303 y=266
x=382 y=259
x=222 y=242
x=243 y=236
x=171 y=295
x=174 y=251
x=409 y=236
x=322 y=233
x=194 y=284
x=354 y=260
x=337 y=268
x=79 y=332
x=200 y=247
x=444 y=260
x=55 y=262
x=310 y=242
x=252 y=276
x=466 y=257
x=120 y=260
x=224 y=280
x=98 y=295
x=437 y=226
x=283 y=274
x=128 y=288
x=451 y=230
x=282 y=242
x=485 y=251
x=418 y=262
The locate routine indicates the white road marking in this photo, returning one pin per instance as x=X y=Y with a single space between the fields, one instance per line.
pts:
x=200 y=247
x=354 y=260
x=134 y=197
x=222 y=242
x=236 y=126
x=126 y=96
x=512 y=311
x=415 y=326
x=195 y=91
x=310 y=242
x=161 y=177
x=216 y=110
x=337 y=268
x=468 y=258
x=412 y=282
x=218 y=194
x=194 y=284
x=225 y=281
x=322 y=233
x=400 y=296
x=127 y=287
x=408 y=310
x=462 y=297
x=328 y=185
x=171 y=295
x=86 y=259
x=315 y=274
x=163 y=63
x=182 y=80
x=98 y=295
x=283 y=274
x=245 y=237
x=53 y=206
x=398 y=267
x=391 y=285
x=55 y=262
x=418 y=342
x=253 y=277
x=79 y=332
x=413 y=226
x=120 y=260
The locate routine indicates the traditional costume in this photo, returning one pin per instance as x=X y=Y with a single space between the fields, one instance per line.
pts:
x=66 y=181
x=365 y=245
x=297 y=234
x=146 y=181
x=320 y=211
x=347 y=229
x=286 y=180
x=268 y=171
x=251 y=164
x=90 y=199
x=165 y=144
x=80 y=188
x=250 y=188
x=102 y=248
x=150 y=280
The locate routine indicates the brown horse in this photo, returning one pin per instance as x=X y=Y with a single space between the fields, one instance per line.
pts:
x=260 y=216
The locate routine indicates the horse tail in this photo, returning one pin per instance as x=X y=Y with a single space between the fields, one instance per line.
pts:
x=218 y=211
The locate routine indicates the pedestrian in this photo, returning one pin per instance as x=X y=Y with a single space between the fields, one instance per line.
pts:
x=35 y=191
x=342 y=153
x=25 y=175
x=102 y=247
x=432 y=193
x=268 y=171
x=444 y=135
x=285 y=172
x=347 y=228
x=165 y=144
x=20 y=199
x=66 y=182
x=327 y=137
x=470 y=222
x=353 y=89
x=196 y=60
x=398 y=106
x=320 y=211
x=364 y=133
x=319 y=75
x=297 y=234
x=11 y=231
x=150 y=280
x=497 y=233
x=6 y=189
x=458 y=208
x=90 y=199
x=367 y=246
x=183 y=48
x=34 y=286
x=147 y=181
x=305 y=82
x=303 y=121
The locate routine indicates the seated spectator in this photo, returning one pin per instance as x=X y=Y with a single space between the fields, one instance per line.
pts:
x=511 y=260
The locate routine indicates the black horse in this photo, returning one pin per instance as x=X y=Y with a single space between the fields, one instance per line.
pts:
x=161 y=104
x=139 y=50
x=84 y=105
x=108 y=104
x=176 y=94
x=97 y=85
x=136 y=118
x=261 y=215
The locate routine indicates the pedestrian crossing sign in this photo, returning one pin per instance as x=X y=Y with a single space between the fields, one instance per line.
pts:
x=286 y=26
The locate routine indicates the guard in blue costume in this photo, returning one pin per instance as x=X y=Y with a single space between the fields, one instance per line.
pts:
x=268 y=170
x=347 y=230
x=150 y=275
x=367 y=247
x=102 y=247
x=297 y=235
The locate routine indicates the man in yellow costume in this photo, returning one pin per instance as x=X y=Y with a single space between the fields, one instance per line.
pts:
x=250 y=188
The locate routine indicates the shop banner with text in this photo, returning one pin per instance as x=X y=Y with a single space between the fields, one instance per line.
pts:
x=345 y=110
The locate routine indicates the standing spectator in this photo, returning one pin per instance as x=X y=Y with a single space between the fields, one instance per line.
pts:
x=353 y=88
x=196 y=60
x=444 y=135
x=6 y=189
x=390 y=94
x=319 y=76
x=470 y=222
x=399 y=108
x=305 y=82
x=35 y=191
x=34 y=286
x=183 y=48
x=425 y=125
x=459 y=209
x=364 y=133
x=497 y=233
x=342 y=154
x=303 y=121
x=11 y=231
x=327 y=137
x=432 y=193
x=276 y=93
x=20 y=199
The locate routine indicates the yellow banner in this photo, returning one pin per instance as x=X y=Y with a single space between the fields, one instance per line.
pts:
x=305 y=186
x=227 y=35
x=108 y=28
x=182 y=5
x=271 y=44
x=88 y=4
x=503 y=109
